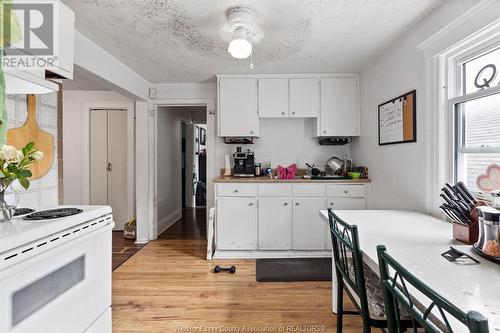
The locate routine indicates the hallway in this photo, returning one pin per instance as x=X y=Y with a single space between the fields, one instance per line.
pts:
x=192 y=225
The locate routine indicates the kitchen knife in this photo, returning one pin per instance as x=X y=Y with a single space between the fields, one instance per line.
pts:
x=448 y=193
x=466 y=191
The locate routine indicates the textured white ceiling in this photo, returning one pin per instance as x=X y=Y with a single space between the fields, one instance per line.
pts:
x=185 y=41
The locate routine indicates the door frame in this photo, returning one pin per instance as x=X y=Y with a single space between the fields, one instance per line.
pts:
x=109 y=105
x=209 y=104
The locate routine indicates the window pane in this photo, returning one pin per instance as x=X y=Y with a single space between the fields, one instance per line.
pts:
x=473 y=67
x=482 y=121
x=474 y=165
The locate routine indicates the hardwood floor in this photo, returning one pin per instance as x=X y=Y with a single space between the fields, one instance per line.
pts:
x=168 y=286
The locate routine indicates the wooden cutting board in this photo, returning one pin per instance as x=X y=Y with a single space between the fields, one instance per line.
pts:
x=44 y=141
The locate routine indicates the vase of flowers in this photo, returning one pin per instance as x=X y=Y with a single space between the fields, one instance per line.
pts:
x=14 y=166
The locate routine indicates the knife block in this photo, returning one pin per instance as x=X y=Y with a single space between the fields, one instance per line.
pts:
x=467 y=234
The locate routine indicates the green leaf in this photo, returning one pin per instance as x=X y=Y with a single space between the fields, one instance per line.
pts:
x=25 y=173
x=29 y=147
x=24 y=183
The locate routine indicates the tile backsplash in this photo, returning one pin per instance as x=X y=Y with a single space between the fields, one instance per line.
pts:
x=43 y=191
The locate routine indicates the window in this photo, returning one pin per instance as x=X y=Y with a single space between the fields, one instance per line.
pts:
x=477 y=120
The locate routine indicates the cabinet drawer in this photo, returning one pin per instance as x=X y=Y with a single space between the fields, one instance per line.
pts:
x=275 y=190
x=236 y=190
x=308 y=190
x=346 y=203
x=347 y=191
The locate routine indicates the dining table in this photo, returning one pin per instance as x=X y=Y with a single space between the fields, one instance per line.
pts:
x=417 y=240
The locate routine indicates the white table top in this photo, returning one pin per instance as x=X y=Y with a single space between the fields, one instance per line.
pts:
x=417 y=240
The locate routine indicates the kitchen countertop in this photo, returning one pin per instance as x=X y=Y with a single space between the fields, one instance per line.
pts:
x=417 y=240
x=258 y=180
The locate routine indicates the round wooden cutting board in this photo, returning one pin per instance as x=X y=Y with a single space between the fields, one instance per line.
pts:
x=44 y=141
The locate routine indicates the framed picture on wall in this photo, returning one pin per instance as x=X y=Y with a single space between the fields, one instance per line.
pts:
x=397 y=120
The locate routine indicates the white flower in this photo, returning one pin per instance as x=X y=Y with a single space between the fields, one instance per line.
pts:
x=10 y=154
x=37 y=155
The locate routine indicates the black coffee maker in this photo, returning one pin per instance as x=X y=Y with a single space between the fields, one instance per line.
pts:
x=244 y=163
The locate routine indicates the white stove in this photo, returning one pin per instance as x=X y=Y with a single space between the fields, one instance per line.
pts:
x=55 y=274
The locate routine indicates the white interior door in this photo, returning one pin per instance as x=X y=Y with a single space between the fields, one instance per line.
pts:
x=108 y=162
x=117 y=171
x=98 y=157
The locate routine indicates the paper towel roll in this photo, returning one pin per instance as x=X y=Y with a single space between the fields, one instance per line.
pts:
x=227 y=171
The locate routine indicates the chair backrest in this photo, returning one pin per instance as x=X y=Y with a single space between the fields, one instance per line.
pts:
x=396 y=279
x=348 y=258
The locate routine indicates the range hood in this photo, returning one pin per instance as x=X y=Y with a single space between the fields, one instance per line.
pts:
x=23 y=82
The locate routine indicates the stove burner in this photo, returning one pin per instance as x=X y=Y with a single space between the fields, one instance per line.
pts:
x=53 y=214
x=23 y=211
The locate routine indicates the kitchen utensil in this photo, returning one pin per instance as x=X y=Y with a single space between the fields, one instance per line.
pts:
x=333 y=166
x=30 y=132
x=462 y=186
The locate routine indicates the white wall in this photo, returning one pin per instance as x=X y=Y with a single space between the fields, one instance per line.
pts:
x=168 y=164
x=284 y=141
x=43 y=191
x=398 y=171
x=76 y=106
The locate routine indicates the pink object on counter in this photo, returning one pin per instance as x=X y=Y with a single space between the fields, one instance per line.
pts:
x=287 y=173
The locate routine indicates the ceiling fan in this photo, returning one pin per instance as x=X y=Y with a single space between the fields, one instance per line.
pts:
x=244 y=32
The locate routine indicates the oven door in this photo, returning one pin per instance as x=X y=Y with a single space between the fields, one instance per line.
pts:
x=64 y=289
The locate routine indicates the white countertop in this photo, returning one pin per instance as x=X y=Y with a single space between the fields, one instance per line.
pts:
x=17 y=232
x=417 y=240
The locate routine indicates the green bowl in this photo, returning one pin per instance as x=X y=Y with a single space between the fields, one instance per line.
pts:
x=354 y=175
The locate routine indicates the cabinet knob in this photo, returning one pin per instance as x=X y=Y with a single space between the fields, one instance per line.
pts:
x=235 y=191
x=250 y=204
x=283 y=113
x=346 y=191
x=285 y=204
x=324 y=132
x=331 y=203
x=296 y=204
x=251 y=132
x=293 y=112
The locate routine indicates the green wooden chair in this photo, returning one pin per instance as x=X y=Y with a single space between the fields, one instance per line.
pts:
x=397 y=296
x=360 y=283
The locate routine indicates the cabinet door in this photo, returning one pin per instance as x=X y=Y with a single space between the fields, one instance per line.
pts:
x=238 y=107
x=275 y=223
x=304 y=97
x=339 y=107
x=236 y=224
x=308 y=227
x=273 y=98
x=339 y=204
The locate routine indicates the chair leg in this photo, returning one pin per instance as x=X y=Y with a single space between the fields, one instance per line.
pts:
x=340 y=305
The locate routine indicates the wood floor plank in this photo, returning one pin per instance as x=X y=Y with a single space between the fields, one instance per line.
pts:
x=168 y=286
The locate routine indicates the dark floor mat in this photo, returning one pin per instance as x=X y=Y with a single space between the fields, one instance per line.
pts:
x=294 y=269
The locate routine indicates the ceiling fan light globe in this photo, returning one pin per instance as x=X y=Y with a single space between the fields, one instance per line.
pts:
x=240 y=48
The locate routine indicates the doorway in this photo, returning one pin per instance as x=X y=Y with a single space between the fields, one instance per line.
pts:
x=180 y=164
x=108 y=161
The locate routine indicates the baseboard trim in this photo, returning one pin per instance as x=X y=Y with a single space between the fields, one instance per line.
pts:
x=230 y=254
x=168 y=221
x=141 y=241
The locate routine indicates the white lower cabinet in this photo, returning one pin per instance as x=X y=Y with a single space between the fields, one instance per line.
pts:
x=308 y=227
x=236 y=224
x=268 y=220
x=275 y=223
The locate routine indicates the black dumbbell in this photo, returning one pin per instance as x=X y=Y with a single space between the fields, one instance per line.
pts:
x=218 y=269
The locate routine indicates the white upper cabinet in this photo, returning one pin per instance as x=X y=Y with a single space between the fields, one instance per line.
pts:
x=66 y=46
x=273 y=98
x=339 y=107
x=237 y=107
x=304 y=97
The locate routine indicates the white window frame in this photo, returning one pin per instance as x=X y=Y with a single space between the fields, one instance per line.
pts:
x=467 y=35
